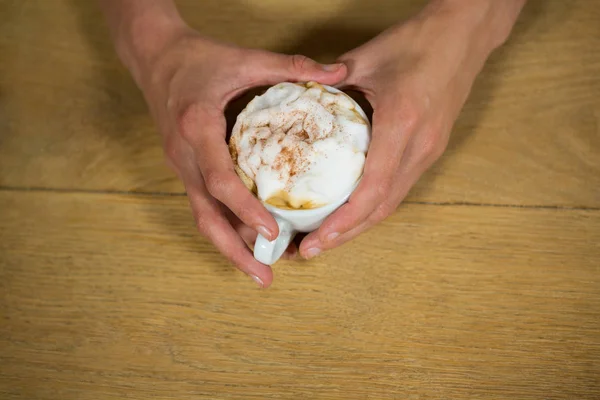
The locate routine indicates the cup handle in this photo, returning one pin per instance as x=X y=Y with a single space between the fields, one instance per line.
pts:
x=268 y=252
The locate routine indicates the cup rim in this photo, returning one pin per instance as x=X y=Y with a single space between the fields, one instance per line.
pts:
x=360 y=110
x=284 y=212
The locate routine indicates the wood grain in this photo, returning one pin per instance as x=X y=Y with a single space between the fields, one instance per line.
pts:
x=71 y=117
x=108 y=296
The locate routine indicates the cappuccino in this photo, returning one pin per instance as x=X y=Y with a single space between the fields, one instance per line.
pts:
x=300 y=146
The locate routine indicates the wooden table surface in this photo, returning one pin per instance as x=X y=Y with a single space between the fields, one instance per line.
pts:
x=484 y=284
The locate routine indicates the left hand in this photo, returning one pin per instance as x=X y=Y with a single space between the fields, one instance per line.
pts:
x=417 y=76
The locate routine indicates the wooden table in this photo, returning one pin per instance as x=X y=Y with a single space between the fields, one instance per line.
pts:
x=484 y=284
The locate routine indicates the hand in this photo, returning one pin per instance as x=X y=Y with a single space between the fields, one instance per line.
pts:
x=417 y=76
x=188 y=85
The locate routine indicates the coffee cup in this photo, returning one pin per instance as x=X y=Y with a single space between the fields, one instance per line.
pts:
x=327 y=119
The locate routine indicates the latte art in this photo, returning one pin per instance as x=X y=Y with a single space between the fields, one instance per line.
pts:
x=300 y=146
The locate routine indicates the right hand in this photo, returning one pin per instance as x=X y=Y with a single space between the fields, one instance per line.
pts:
x=187 y=86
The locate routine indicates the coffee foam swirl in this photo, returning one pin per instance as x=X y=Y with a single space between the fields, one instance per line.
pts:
x=300 y=146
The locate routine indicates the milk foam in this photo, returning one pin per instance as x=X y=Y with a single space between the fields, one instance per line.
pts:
x=300 y=145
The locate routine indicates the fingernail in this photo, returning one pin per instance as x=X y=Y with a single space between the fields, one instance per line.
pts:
x=264 y=232
x=332 y=67
x=257 y=280
x=312 y=253
x=332 y=236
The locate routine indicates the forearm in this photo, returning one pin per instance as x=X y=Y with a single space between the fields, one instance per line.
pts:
x=461 y=34
x=491 y=20
x=140 y=29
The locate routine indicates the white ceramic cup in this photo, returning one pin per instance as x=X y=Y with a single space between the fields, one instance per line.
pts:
x=292 y=222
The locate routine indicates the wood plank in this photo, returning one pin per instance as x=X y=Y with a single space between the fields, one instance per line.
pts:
x=70 y=117
x=108 y=296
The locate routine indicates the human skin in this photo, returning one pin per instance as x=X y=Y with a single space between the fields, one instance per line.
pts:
x=417 y=76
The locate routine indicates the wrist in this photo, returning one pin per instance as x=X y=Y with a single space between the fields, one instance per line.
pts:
x=144 y=38
x=485 y=23
x=141 y=30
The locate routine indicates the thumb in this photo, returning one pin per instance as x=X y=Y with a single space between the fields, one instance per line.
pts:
x=272 y=68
